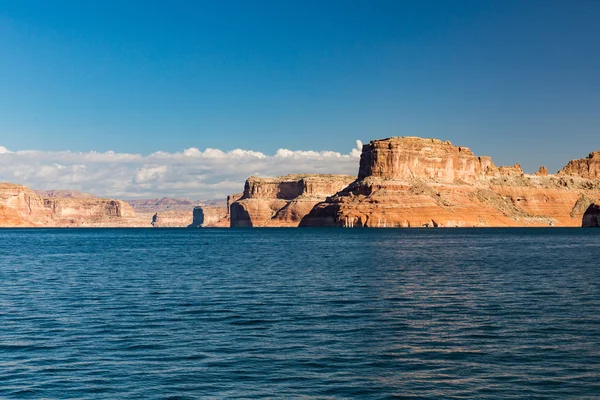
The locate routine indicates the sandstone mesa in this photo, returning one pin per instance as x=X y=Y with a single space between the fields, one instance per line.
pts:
x=283 y=201
x=415 y=182
x=401 y=182
x=21 y=206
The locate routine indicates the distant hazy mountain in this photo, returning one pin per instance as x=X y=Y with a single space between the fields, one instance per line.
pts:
x=167 y=203
x=75 y=194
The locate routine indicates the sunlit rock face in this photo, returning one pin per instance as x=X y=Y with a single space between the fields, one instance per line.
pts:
x=283 y=201
x=414 y=182
x=24 y=207
x=410 y=157
x=172 y=218
x=588 y=167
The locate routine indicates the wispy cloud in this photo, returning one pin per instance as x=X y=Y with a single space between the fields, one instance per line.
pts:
x=192 y=173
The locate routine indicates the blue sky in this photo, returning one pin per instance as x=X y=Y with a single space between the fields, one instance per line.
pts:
x=515 y=80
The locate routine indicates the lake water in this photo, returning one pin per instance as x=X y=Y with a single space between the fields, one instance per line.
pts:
x=286 y=313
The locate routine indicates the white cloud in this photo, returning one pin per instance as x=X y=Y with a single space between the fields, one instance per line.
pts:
x=192 y=173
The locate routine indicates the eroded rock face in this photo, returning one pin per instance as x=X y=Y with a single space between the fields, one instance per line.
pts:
x=172 y=219
x=504 y=170
x=412 y=182
x=209 y=216
x=35 y=210
x=282 y=201
x=410 y=157
x=588 y=168
x=30 y=206
x=591 y=217
x=9 y=217
x=543 y=171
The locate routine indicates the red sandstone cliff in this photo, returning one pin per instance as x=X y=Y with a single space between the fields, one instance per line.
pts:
x=588 y=168
x=414 y=182
x=21 y=206
x=282 y=201
x=413 y=157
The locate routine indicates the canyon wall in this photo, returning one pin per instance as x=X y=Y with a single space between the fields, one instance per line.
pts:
x=282 y=201
x=21 y=206
x=210 y=216
x=410 y=157
x=23 y=203
x=414 y=182
x=170 y=218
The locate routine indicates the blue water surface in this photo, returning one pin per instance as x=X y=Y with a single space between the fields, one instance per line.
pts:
x=287 y=313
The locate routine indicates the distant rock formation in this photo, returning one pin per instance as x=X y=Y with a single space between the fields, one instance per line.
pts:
x=414 y=182
x=210 y=216
x=504 y=170
x=591 y=217
x=75 y=194
x=588 y=168
x=282 y=201
x=543 y=171
x=164 y=204
x=25 y=204
x=21 y=206
x=172 y=219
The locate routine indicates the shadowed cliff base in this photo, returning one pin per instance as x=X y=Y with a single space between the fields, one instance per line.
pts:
x=591 y=217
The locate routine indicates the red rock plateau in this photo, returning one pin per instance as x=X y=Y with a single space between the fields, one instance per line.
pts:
x=21 y=206
x=283 y=201
x=415 y=182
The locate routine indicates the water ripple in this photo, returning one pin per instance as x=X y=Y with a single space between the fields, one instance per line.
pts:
x=184 y=314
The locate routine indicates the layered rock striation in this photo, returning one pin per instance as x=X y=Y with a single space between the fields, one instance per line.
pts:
x=171 y=218
x=21 y=206
x=410 y=157
x=210 y=217
x=414 y=182
x=282 y=201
